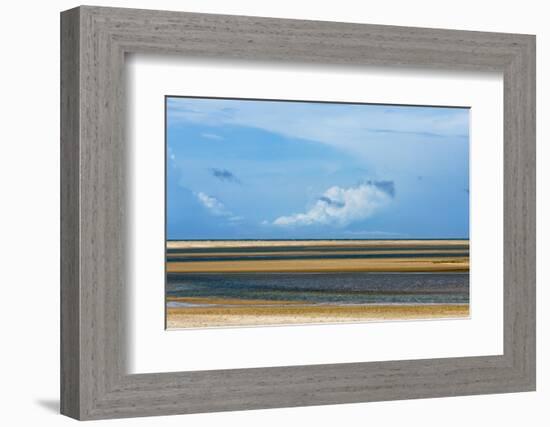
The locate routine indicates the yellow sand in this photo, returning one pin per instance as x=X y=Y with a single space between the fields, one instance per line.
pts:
x=243 y=315
x=323 y=265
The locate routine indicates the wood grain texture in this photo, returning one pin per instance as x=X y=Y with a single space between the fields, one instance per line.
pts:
x=70 y=291
x=94 y=382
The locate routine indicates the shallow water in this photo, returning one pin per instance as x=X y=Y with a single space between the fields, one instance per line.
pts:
x=327 y=288
x=312 y=247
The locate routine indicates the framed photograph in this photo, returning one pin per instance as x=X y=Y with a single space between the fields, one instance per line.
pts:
x=328 y=242
x=262 y=213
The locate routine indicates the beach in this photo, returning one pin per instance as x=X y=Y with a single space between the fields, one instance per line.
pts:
x=371 y=243
x=245 y=283
x=273 y=314
x=324 y=265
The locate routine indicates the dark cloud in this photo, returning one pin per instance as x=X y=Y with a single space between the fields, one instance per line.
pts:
x=387 y=187
x=331 y=202
x=224 y=175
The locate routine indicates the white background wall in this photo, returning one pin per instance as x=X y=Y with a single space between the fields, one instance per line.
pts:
x=29 y=168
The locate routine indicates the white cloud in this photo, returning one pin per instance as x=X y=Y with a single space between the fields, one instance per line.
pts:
x=340 y=206
x=385 y=138
x=212 y=136
x=346 y=126
x=171 y=154
x=217 y=208
x=212 y=204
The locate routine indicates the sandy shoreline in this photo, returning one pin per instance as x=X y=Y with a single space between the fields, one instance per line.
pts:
x=193 y=310
x=362 y=251
x=244 y=315
x=189 y=244
x=324 y=265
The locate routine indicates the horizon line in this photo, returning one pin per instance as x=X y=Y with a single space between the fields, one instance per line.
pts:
x=275 y=240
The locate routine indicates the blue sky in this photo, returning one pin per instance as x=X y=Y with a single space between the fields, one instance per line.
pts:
x=246 y=169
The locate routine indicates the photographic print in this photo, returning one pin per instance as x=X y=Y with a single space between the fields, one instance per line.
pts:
x=282 y=212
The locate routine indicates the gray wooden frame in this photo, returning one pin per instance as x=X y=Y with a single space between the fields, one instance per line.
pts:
x=94 y=382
